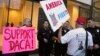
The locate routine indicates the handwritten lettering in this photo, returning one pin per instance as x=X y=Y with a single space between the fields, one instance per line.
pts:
x=18 y=33
x=53 y=4
x=18 y=39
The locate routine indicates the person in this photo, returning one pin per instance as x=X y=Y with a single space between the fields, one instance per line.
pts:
x=45 y=39
x=60 y=49
x=95 y=31
x=12 y=24
x=26 y=23
x=76 y=39
x=7 y=24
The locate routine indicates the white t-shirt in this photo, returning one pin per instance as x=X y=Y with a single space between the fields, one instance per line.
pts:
x=74 y=38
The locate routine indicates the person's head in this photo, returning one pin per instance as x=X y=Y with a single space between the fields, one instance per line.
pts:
x=27 y=22
x=91 y=23
x=12 y=24
x=80 y=22
x=66 y=25
x=45 y=24
x=7 y=24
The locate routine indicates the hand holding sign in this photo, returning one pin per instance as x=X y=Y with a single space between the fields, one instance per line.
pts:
x=56 y=12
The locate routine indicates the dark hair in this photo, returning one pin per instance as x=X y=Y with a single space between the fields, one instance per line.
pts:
x=45 y=21
x=67 y=21
x=7 y=24
x=90 y=19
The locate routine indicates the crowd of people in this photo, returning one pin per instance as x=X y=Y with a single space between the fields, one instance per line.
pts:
x=66 y=41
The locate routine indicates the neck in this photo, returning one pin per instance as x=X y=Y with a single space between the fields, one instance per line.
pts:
x=93 y=26
x=45 y=28
x=79 y=26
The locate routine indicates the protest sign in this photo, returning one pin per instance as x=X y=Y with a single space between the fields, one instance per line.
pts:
x=18 y=39
x=56 y=12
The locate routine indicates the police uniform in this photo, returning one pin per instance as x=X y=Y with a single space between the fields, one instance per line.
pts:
x=45 y=47
x=95 y=31
x=60 y=49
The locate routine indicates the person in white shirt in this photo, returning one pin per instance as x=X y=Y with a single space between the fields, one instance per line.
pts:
x=76 y=39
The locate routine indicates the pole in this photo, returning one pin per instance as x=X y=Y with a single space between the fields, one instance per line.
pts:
x=32 y=11
x=91 y=10
x=8 y=11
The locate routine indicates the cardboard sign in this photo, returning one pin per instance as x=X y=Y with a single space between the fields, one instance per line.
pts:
x=18 y=39
x=56 y=12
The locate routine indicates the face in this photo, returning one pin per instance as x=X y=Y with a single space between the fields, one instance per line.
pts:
x=91 y=23
x=46 y=24
x=27 y=22
x=66 y=25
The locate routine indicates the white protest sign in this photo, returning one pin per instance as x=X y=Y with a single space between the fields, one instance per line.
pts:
x=56 y=12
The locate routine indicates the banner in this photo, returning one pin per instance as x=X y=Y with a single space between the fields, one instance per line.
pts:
x=56 y=12
x=18 y=39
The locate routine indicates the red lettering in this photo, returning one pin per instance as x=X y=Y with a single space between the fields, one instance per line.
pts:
x=7 y=31
x=17 y=45
x=17 y=33
x=32 y=43
x=32 y=33
x=21 y=43
x=53 y=4
x=27 y=45
x=47 y=6
x=28 y=34
x=50 y=5
x=22 y=33
x=12 y=45
x=59 y=2
x=25 y=34
x=12 y=34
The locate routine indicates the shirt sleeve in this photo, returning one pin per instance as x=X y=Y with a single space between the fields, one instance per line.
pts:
x=67 y=37
x=90 y=39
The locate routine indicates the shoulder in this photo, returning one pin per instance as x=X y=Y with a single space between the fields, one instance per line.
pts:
x=97 y=27
x=71 y=31
x=89 y=33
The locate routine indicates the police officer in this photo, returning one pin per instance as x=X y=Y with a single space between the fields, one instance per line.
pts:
x=60 y=49
x=45 y=39
x=95 y=31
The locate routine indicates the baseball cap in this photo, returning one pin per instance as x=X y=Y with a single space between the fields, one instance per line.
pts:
x=81 y=20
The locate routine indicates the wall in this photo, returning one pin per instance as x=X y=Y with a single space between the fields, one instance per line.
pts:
x=0 y=19
x=15 y=16
x=3 y=17
x=74 y=12
x=26 y=12
x=0 y=26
